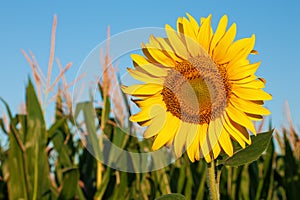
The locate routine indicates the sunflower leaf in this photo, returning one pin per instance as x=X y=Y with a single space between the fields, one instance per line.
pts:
x=250 y=153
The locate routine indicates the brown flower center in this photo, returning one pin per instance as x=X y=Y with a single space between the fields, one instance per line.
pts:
x=196 y=90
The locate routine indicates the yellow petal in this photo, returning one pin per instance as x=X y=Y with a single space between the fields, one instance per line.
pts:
x=215 y=129
x=226 y=143
x=244 y=53
x=148 y=112
x=147 y=102
x=248 y=106
x=180 y=26
x=239 y=72
x=240 y=49
x=254 y=117
x=250 y=94
x=167 y=132
x=202 y=19
x=155 y=43
x=240 y=118
x=191 y=40
x=180 y=138
x=193 y=23
x=237 y=131
x=205 y=33
x=176 y=43
x=158 y=122
x=220 y=50
x=237 y=64
x=192 y=142
x=143 y=115
x=234 y=135
x=142 y=89
x=208 y=158
x=156 y=51
x=145 y=77
x=244 y=80
x=203 y=139
x=160 y=57
x=216 y=150
x=165 y=43
x=221 y=29
x=255 y=84
x=145 y=123
x=142 y=62
x=147 y=54
x=197 y=151
x=204 y=143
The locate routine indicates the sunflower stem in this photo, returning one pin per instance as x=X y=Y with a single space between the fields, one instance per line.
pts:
x=212 y=183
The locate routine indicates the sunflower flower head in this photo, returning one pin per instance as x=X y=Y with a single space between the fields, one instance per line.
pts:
x=199 y=89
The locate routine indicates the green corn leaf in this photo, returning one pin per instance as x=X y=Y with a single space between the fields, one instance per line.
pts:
x=264 y=183
x=152 y=188
x=244 y=184
x=237 y=187
x=162 y=180
x=15 y=167
x=120 y=138
x=3 y=184
x=36 y=143
x=107 y=175
x=2 y=126
x=117 y=155
x=181 y=179
x=189 y=183
x=292 y=178
x=92 y=138
x=61 y=148
x=13 y=120
x=173 y=196
x=57 y=124
x=251 y=153
x=27 y=158
x=253 y=172
x=201 y=188
x=70 y=182
x=18 y=182
x=22 y=120
x=174 y=176
x=88 y=113
x=57 y=134
x=120 y=188
x=87 y=167
x=7 y=108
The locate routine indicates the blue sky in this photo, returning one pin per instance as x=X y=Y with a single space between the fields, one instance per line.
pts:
x=82 y=25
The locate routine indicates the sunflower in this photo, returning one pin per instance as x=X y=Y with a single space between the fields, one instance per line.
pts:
x=199 y=90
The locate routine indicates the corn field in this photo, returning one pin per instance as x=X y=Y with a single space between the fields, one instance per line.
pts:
x=50 y=161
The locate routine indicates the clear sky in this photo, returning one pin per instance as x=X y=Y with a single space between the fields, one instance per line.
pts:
x=82 y=25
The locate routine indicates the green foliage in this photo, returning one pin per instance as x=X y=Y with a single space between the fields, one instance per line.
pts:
x=27 y=159
x=53 y=163
x=249 y=154
x=171 y=197
x=70 y=181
